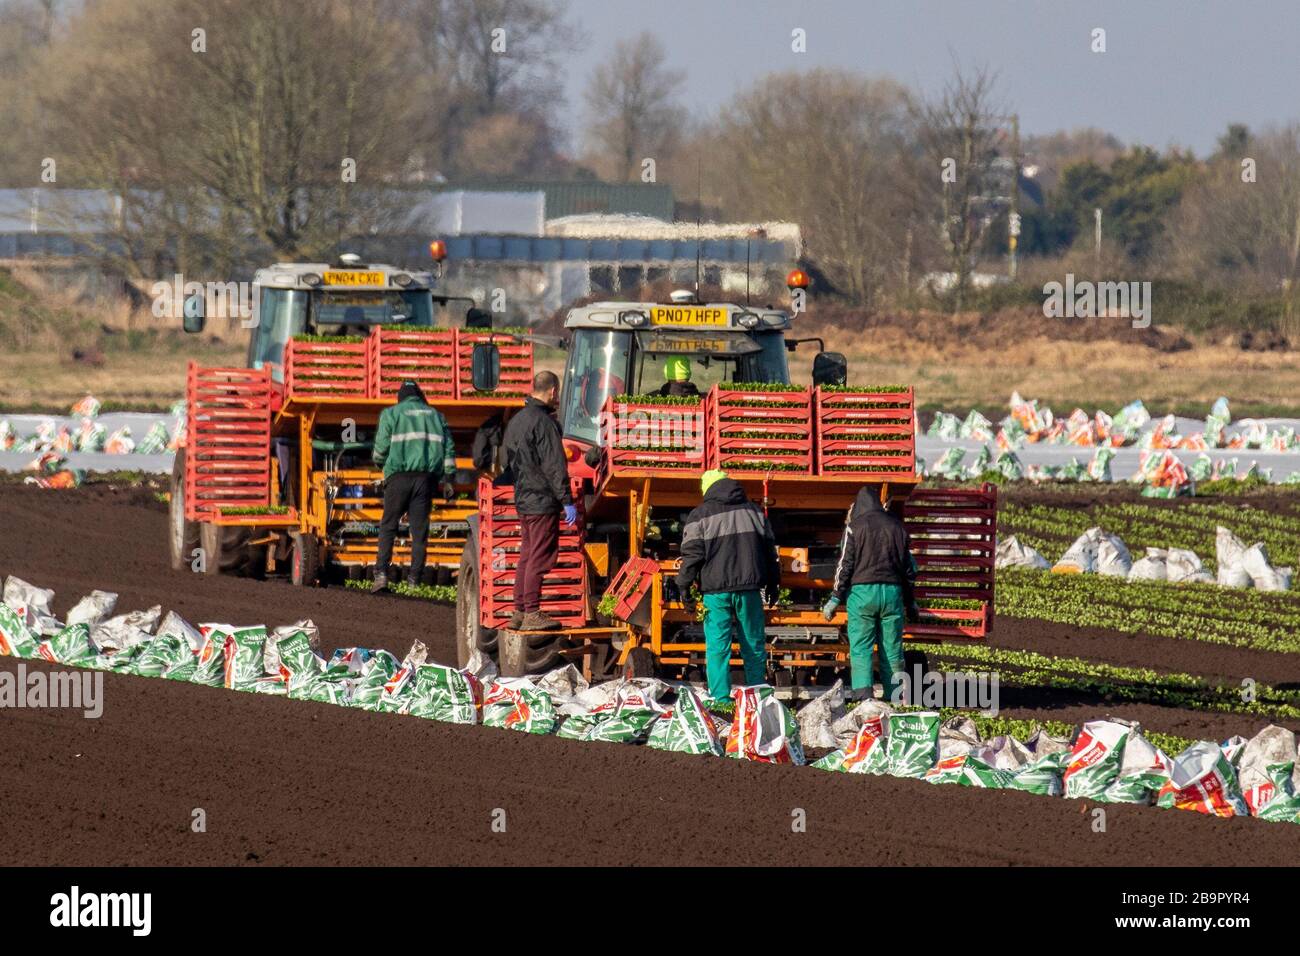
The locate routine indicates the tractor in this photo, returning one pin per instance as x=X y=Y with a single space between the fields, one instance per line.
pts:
x=637 y=439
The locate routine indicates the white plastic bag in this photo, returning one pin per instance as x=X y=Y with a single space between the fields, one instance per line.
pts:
x=1011 y=553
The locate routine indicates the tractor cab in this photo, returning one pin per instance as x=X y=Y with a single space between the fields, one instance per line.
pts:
x=343 y=299
x=678 y=349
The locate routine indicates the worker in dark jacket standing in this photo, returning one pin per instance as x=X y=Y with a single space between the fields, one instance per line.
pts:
x=413 y=446
x=876 y=575
x=729 y=548
x=536 y=466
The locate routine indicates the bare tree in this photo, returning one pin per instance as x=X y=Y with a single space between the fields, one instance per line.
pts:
x=632 y=109
x=959 y=133
x=285 y=126
x=829 y=150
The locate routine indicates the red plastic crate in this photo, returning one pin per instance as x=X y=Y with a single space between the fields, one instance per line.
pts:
x=629 y=586
x=665 y=439
x=757 y=430
x=424 y=356
x=564 y=588
x=227 y=439
x=953 y=537
x=516 y=363
x=327 y=369
x=857 y=436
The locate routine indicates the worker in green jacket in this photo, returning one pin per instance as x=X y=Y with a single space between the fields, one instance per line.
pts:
x=414 y=447
x=876 y=574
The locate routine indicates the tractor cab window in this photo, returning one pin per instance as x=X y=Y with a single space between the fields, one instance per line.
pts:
x=353 y=313
x=597 y=368
x=284 y=313
x=281 y=313
x=685 y=364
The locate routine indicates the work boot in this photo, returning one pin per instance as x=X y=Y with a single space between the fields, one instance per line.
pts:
x=538 y=621
x=380 y=584
x=516 y=621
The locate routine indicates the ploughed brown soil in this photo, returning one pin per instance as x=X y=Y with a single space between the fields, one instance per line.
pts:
x=294 y=782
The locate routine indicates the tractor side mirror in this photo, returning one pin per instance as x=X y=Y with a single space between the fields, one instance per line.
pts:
x=485 y=367
x=478 y=319
x=830 y=368
x=193 y=316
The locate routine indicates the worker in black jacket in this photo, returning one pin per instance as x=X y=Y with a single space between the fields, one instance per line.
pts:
x=729 y=548
x=536 y=466
x=876 y=574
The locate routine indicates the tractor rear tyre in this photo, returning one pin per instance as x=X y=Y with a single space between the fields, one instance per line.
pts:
x=915 y=663
x=640 y=663
x=226 y=550
x=182 y=534
x=471 y=635
x=304 y=569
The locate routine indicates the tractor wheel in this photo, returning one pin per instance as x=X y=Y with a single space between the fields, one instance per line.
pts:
x=542 y=652
x=226 y=550
x=470 y=632
x=640 y=663
x=305 y=568
x=912 y=660
x=182 y=535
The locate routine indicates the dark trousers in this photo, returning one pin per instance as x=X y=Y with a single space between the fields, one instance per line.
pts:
x=539 y=546
x=406 y=493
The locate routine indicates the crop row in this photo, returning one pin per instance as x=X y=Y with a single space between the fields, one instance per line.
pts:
x=1018 y=668
x=1260 y=620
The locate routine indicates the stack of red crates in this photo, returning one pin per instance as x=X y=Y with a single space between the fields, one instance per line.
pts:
x=665 y=439
x=564 y=589
x=953 y=537
x=516 y=362
x=760 y=430
x=227 y=439
x=327 y=369
x=424 y=356
x=866 y=432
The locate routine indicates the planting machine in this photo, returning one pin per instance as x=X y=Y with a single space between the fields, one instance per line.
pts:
x=275 y=472
x=636 y=447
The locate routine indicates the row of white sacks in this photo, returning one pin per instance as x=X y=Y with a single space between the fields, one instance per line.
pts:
x=1100 y=552
x=1104 y=760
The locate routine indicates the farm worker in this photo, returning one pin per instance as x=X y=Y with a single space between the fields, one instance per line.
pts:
x=729 y=548
x=677 y=377
x=413 y=446
x=876 y=574
x=537 y=467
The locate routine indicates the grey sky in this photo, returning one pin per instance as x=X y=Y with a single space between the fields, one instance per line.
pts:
x=1175 y=73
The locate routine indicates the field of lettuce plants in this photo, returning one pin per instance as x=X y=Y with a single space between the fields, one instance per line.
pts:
x=1185 y=662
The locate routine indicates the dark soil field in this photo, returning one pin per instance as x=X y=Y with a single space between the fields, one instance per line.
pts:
x=285 y=781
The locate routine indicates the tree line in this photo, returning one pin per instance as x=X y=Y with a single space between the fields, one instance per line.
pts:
x=293 y=123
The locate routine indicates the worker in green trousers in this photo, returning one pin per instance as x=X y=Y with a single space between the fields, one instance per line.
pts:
x=876 y=574
x=729 y=548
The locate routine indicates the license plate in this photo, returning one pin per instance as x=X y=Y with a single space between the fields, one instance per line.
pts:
x=687 y=315
x=353 y=278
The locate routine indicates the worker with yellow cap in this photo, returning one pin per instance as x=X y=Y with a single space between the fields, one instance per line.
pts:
x=729 y=548
x=677 y=378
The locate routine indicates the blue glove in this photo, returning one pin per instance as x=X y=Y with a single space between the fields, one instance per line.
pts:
x=828 y=609
x=570 y=514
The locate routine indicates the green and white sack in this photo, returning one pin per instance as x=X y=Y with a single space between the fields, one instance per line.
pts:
x=368 y=688
x=1048 y=758
x=244 y=658
x=1203 y=780
x=72 y=646
x=444 y=693
x=912 y=744
x=516 y=703
x=16 y=640
x=688 y=728
x=210 y=664
x=1143 y=771
x=1266 y=769
x=1096 y=757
